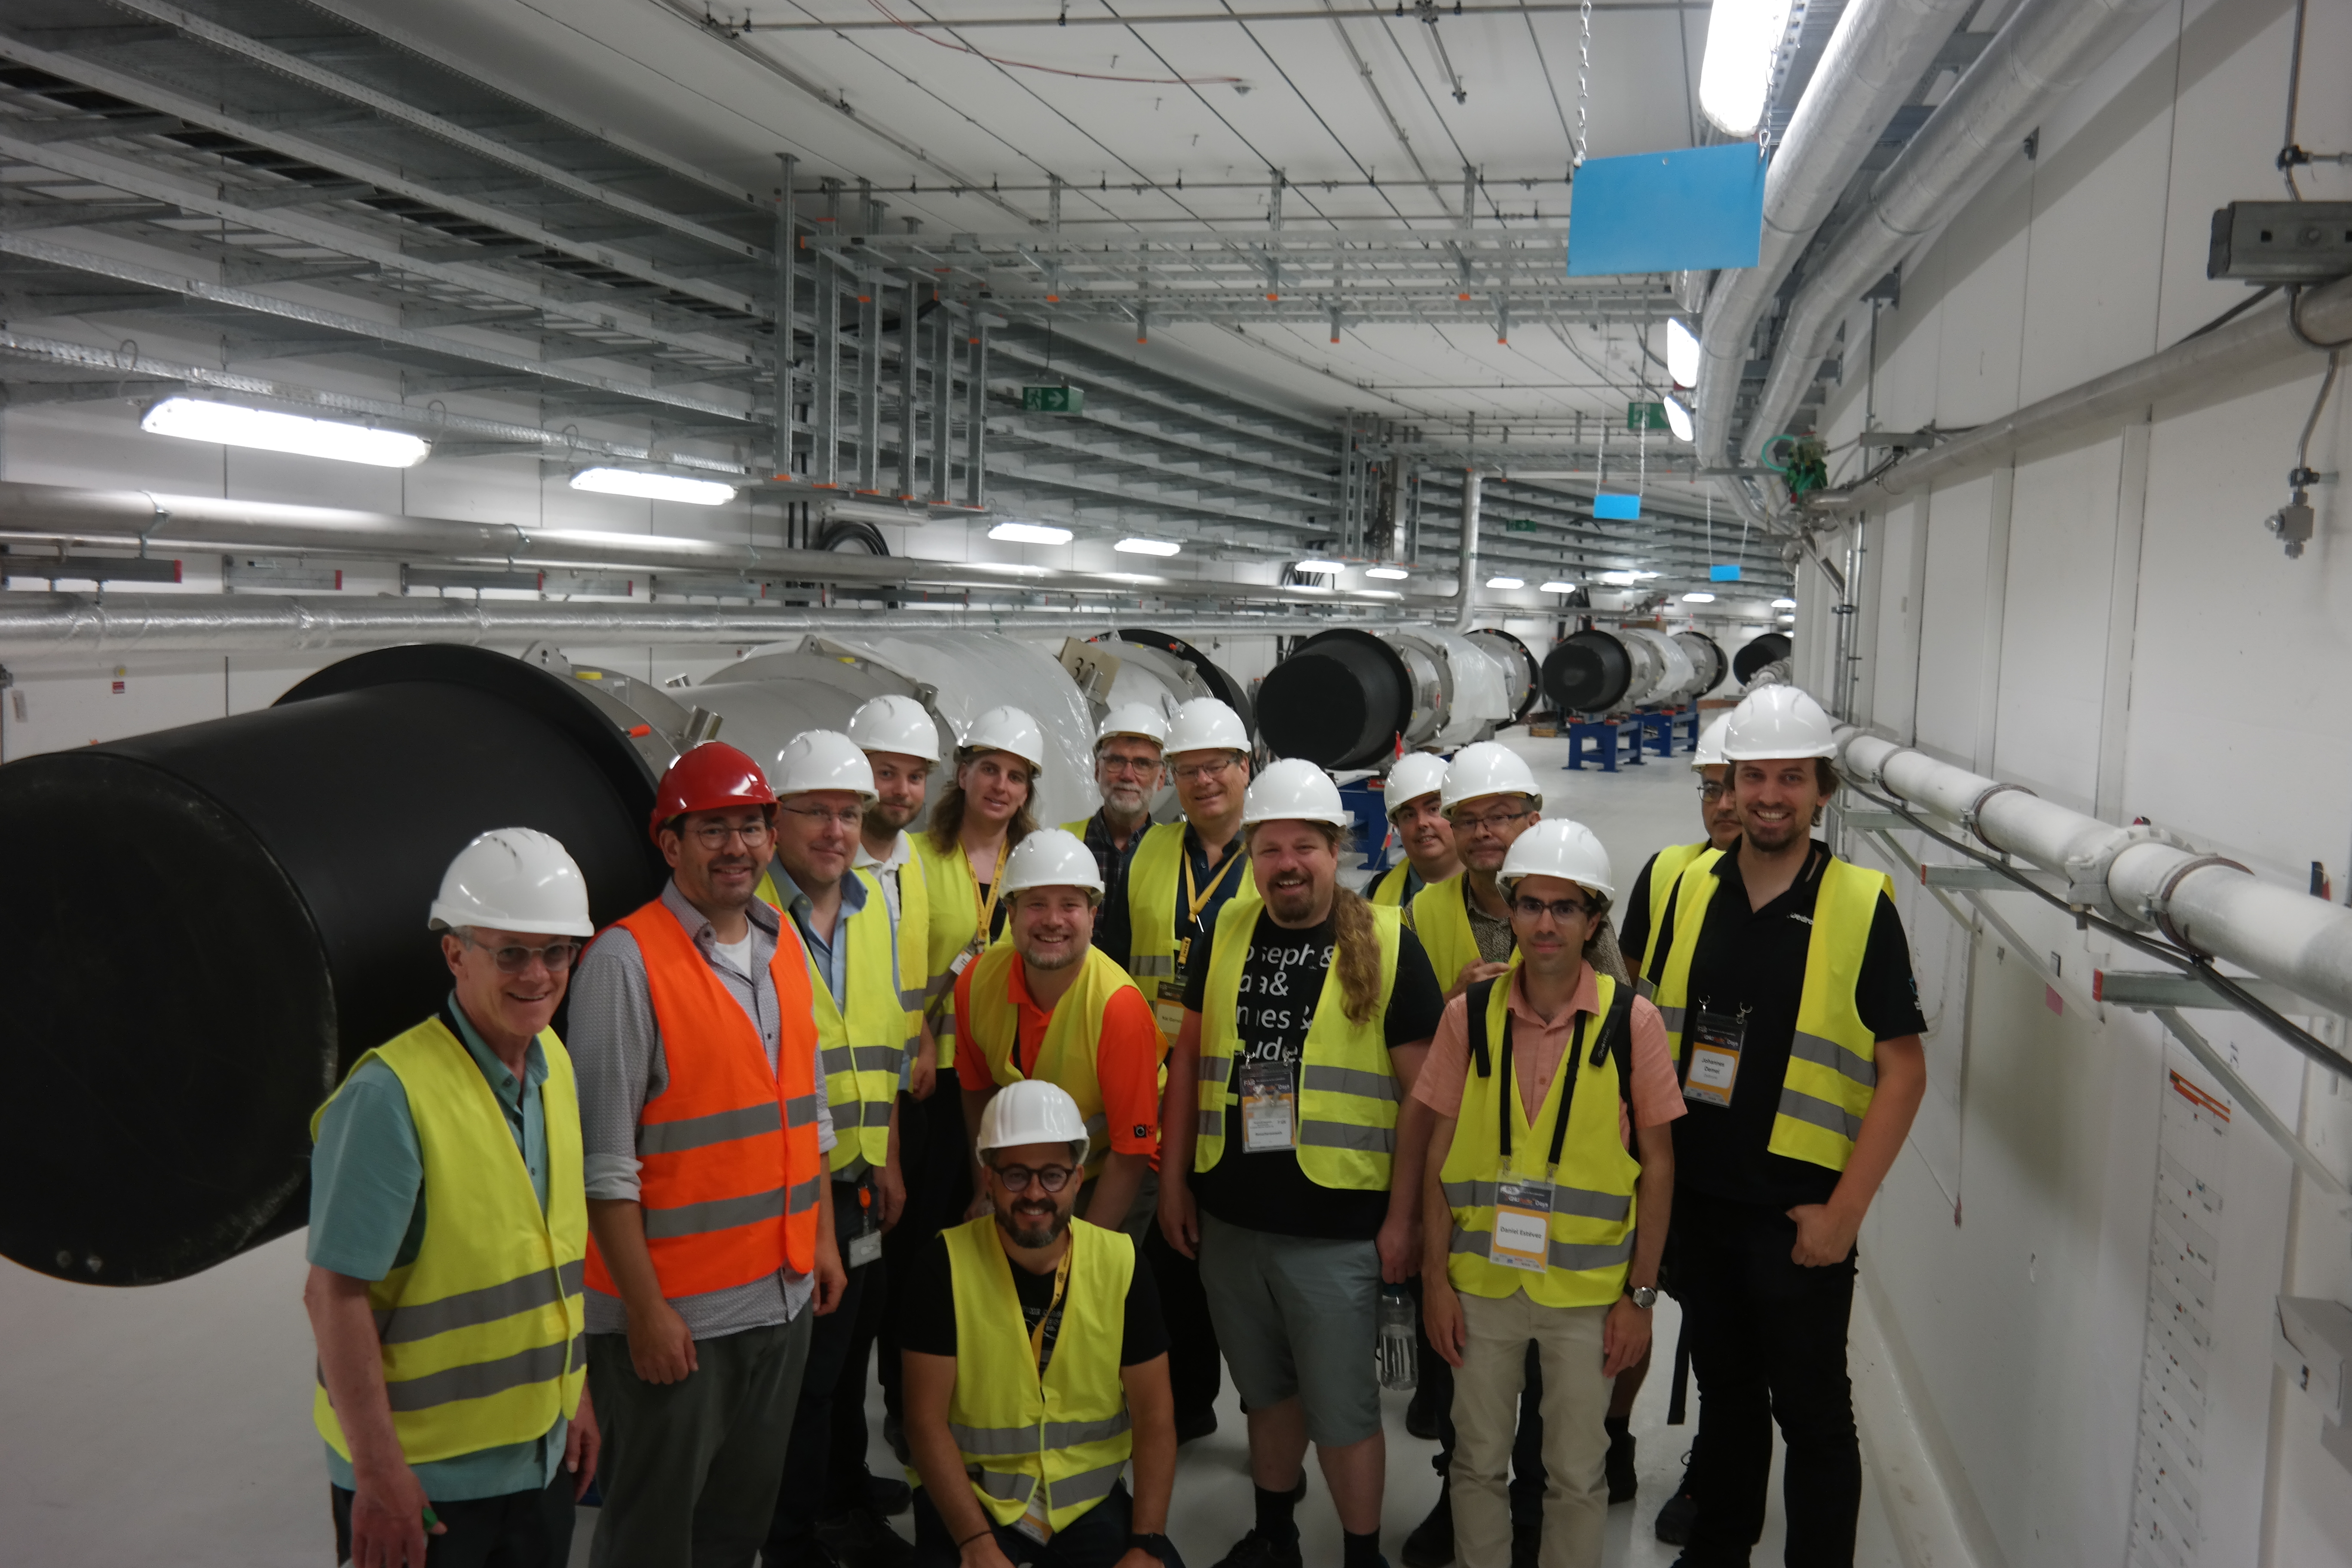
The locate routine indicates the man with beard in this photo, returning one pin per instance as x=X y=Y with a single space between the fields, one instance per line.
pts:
x=1490 y=797
x=1410 y=797
x=1046 y=1005
x=1785 y=981
x=1127 y=768
x=704 y=1133
x=1036 y=1367
x=902 y=746
x=1282 y=1167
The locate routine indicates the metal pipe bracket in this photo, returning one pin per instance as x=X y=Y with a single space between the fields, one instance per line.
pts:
x=2159 y=903
x=1970 y=817
x=2086 y=875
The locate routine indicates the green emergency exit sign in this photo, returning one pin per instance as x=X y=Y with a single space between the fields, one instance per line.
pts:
x=1053 y=399
x=1520 y=525
x=1646 y=416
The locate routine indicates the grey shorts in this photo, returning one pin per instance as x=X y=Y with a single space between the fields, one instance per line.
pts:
x=1297 y=1316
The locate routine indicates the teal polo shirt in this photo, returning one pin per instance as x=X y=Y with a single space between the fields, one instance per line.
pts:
x=367 y=1218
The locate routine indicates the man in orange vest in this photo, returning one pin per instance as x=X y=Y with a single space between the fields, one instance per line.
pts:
x=704 y=1132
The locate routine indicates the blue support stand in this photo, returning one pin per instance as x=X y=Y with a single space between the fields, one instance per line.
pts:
x=1364 y=802
x=1604 y=737
x=1686 y=724
x=1654 y=731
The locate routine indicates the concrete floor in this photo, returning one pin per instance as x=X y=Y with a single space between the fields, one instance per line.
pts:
x=172 y=1424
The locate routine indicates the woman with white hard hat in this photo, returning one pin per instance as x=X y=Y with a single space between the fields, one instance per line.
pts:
x=1418 y=823
x=980 y=818
x=512 y=913
x=1788 y=976
x=1284 y=1164
x=1541 y=1084
x=1490 y=796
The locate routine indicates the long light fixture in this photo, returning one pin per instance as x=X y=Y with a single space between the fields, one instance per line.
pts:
x=1698 y=598
x=1682 y=353
x=1505 y=583
x=230 y=425
x=1621 y=579
x=1678 y=419
x=1791 y=620
x=1743 y=41
x=1323 y=568
x=1784 y=604
x=653 y=487
x=1030 y=533
x=1146 y=547
x=1555 y=587
x=1387 y=573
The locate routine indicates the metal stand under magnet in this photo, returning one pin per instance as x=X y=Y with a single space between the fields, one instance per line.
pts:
x=1605 y=736
x=1365 y=803
x=1653 y=732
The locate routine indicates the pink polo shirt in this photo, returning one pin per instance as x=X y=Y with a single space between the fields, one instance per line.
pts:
x=1536 y=1046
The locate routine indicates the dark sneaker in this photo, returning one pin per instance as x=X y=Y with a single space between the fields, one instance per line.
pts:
x=1424 y=1415
x=860 y=1539
x=1681 y=1510
x=1619 y=1467
x=1259 y=1550
x=1527 y=1526
x=887 y=1495
x=1431 y=1544
x=1189 y=1428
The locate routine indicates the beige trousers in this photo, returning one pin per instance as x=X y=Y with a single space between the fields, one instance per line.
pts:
x=1485 y=1417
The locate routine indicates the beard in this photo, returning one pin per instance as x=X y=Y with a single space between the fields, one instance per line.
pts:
x=1126 y=799
x=1032 y=1225
x=884 y=817
x=1771 y=835
x=1050 y=962
x=1292 y=902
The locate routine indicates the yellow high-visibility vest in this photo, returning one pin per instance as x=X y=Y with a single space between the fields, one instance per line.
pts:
x=859 y=1043
x=1391 y=888
x=1441 y=918
x=1665 y=867
x=1347 y=1091
x=1066 y=1055
x=954 y=917
x=1592 y=1186
x=482 y=1335
x=1832 y=1060
x=1069 y=1431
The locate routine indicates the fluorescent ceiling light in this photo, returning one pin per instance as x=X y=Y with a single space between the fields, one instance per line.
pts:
x=1555 y=588
x=1787 y=617
x=1147 y=546
x=1784 y=604
x=1387 y=573
x=229 y=424
x=1030 y=533
x=1621 y=579
x=1743 y=38
x=1682 y=353
x=1645 y=576
x=1698 y=598
x=653 y=487
x=1678 y=419
x=1322 y=568
x=1505 y=583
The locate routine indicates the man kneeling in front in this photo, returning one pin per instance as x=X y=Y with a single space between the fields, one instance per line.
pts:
x=1036 y=1365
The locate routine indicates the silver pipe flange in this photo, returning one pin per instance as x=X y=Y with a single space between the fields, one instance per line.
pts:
x=2161 y=904
x=1968 y=818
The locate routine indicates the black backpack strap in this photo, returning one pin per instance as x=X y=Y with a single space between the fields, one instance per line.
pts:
x=1617 y=1040
x=1476 y=999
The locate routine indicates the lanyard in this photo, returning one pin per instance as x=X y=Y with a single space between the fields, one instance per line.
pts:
x=1060 y=1283
x=1195 y=901
x=1508 y=1090
x=987 y=905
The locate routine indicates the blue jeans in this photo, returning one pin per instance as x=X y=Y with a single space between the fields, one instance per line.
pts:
x=1096 y=1539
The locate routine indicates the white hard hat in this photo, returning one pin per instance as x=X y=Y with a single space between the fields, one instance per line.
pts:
x=1205 y=724
x=1484 y=768
x=1560 y=849
x=1416 y=774
x=1031 y=1111
x=514 y=879
x=1137 y=719
x=895 y=724
x=1007 y=730
x=1710 y=753
x=1050 y=858
x=1775 y=722
x=1294 y=790
x=822 y=759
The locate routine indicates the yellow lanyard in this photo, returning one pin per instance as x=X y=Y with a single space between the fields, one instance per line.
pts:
x=1060 y=1283
x=1195 y=901
x=987 y=906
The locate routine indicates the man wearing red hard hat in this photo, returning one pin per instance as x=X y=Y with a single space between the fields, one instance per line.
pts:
x=704 y=1132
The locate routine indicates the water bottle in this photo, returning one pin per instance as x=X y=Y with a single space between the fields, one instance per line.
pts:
x=1400 y=1361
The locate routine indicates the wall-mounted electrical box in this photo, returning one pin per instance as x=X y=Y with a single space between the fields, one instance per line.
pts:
x=2311 y=1341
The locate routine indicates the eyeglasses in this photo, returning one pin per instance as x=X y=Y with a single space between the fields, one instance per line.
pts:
x=1145 y=766
x=1051 y=1178
x=1708 y=790
x=559 y=956
x=715 y=834
x=852 y=818
x=1493 y=821
x=1560 y=910
x=1188 y=772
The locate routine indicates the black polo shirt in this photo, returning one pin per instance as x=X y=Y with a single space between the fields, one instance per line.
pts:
x=1114 y=931
x=1755 y=961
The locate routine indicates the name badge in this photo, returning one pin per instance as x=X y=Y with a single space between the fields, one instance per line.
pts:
x=1033 y=1523
x=866 y=1247
x=1522 y=1238
x=1269 y=1108
x=1714 y=1043
x=1168 y=1010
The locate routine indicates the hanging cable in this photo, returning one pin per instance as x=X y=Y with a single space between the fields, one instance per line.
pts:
x=913 y=31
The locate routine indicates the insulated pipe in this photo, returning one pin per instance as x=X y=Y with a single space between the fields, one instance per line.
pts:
x=2205 y=904
x=2197 y=365
x=1465 y=593
x=1875 y=58
x=2039 y=54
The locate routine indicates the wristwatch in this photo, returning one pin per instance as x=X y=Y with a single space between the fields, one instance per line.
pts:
x=1644 y=1296
x=1157 y=1545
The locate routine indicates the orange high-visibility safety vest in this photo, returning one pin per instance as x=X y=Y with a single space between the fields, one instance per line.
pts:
x=729 y=1166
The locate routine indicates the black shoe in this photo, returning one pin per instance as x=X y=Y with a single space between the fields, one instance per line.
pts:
x=1675 y=1520
x=1259 y=1550
x=1619 y=1467
x=1431 y=1544
x=860 y=1539
x=887 y=1495
x=1189 y=1428
x=808 y=1551
x=1424 y=1418
x=1526 y=1538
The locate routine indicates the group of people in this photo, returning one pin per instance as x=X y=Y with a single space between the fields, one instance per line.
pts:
x=1065 y=1122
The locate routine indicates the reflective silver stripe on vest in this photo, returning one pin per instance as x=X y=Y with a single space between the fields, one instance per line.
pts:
x=938 y=983
x=1646 y=988
x=862 y=1113
x=1804 y=1107
x=1013 y=1488
x=1211 y=1124
x=1087 y=1486
x=718 y=1214
x=1348 y=1080
x=804 y=1196
x=912 y=998
x=1000 y=1441
x=836 y=1059
x=1097 y=1128
x=1154 y=966
x=1576 y=1257
x=1824 y=1052
x=880 y=1058
x=1214 y=1070
x=1346 y=1135
x=701 y=1131
x=406 y=1324
x=1582 y=1203
x=479 y=1380
x=1673 y=1018
x=800 y=1110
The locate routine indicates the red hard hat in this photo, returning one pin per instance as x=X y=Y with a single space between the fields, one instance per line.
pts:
x=712 y=777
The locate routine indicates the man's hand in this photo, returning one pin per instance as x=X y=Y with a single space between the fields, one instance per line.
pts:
x=1624 y=1337
x=582 y=1443
x=1473 y=973
x=661 y=1347
x=832 y=1279
x=1137 y=1557
x=388 y=1527
x=924 y=1076
x=983 y=1553
x=1441 y=1319
x=1400 y=1245
x=1824 y=1234
x=1180 y=1220
x=889 y=1195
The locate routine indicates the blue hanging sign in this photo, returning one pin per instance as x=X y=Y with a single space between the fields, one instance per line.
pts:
x=1723 y=573
x=1617 y=509
x=1693 y=209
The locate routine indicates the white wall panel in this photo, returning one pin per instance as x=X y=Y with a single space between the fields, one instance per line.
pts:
x=2055 y=631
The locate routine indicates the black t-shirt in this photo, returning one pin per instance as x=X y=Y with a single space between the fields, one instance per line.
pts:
x=927 y=1318
x=1633 y=929
x=1756 y=960
x=1281 y=980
